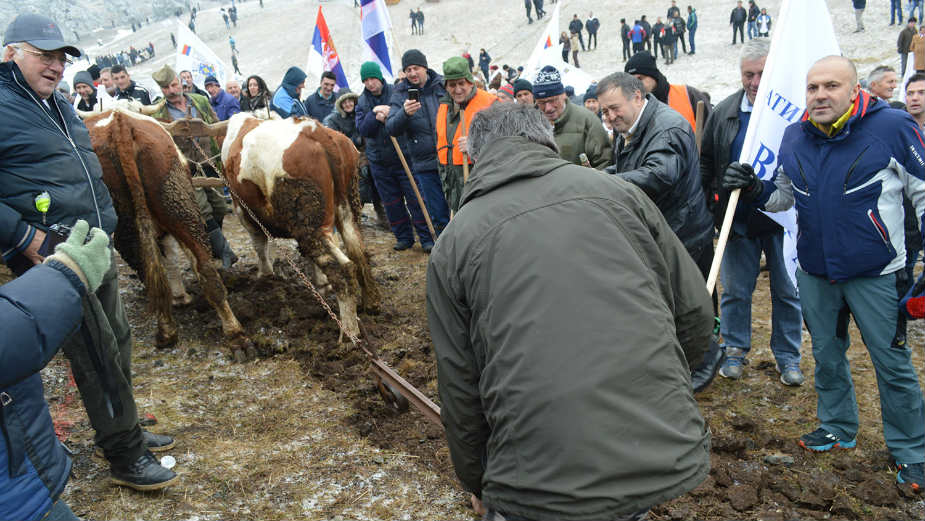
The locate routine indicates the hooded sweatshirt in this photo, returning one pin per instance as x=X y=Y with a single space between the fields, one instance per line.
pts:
x=286 y=99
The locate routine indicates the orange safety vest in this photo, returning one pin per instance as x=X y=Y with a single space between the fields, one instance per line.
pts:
x=681 y=102
x=481 y=100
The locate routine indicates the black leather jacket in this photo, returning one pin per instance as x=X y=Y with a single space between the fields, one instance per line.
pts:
x=718 y=134
x=662 y=159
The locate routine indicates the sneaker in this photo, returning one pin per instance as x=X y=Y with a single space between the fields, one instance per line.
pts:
x=821 y=440
x=911 y=473
x=153 y=442
x=735 y=363
x=791 y=375
x=402 y=246
x=143 y=474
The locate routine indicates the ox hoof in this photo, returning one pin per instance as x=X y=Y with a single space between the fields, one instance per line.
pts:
x=243 y=350
x=166 y=340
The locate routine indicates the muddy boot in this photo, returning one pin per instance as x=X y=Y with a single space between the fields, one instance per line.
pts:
x=221 y=249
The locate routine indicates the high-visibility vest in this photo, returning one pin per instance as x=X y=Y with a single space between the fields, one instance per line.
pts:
x=481 y=100
x=681 y=102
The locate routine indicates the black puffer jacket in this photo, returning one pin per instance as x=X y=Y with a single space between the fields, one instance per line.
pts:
x=662 y=159
x=718 y=134
x=135 y=92
x=38 y=155
x=419 y=128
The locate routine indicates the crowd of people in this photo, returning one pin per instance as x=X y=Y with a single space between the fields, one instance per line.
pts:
x=522 y=182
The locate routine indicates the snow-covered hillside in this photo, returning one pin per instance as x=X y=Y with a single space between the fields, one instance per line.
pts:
x=275 y=37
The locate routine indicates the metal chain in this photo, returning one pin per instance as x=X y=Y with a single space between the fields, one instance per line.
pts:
x=305 y=280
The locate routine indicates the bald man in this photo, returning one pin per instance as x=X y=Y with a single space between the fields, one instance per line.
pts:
x=845 y=168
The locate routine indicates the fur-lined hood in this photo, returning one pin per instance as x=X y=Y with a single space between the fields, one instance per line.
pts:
x=343 y=97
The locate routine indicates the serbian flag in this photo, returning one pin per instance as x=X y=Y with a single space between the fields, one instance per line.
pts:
x=186 y=50
x=376 y=27
x=323 y=56
x=548 y=42
x=803 y=34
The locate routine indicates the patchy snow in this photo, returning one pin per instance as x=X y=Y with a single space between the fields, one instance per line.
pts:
x=272 y=39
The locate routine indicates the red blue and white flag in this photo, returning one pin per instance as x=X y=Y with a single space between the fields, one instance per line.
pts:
x=376 y=26
x=323 y=56
x=195 y=56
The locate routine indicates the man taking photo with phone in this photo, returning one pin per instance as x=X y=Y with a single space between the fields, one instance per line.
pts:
x=413 y=114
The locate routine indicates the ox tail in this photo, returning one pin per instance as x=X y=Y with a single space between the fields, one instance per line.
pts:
x=152 y=267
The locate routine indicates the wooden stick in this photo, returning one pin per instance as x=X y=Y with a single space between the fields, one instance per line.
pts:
x=414 y=186
x=723 y=237
x=699 y=121
x=208 y=182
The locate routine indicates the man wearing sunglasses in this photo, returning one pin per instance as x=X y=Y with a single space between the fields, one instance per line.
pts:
x=50 y=178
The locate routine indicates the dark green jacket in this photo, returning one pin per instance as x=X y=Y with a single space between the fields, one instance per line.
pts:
x=578 y=130
x=565 y=315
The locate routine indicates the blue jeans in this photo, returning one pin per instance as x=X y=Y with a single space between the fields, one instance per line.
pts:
x=910 y=8
x=60 y=511
x=690 y=39
x=432 y=191
x=896 y=12
x=741 y=263
x=872 y=301
x=752 y=30
x=398 y=199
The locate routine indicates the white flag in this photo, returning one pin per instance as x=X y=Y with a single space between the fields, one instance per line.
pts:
x=548 y=51
x=803 y=34
x=376 y=34
x=196 y=57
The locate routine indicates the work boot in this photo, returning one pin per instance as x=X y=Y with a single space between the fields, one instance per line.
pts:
x=221 y=249
x=702 y=376
x=143 y=474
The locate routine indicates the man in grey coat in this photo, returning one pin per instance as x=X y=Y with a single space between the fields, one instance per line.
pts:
x=556 y=404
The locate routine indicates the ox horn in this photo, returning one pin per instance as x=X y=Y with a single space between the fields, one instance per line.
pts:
x=148 y=110
x=84 y=114
x=195 y=128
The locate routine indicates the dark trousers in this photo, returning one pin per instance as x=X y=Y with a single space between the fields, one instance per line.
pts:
x=656 y=47
x=431 y=188
x=681 y=39
x=637 y=47
x=592 y=37
x=565 y=55
x=538 y=9
x=581 y=40
x=741 y=29
x=575 y=59
x=626 y=50
x=398 y=199
x=100 y=353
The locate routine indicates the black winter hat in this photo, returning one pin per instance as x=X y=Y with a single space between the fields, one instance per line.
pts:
x=413 y=57
x=642 y=63
x=591 y=93
x=522 y=84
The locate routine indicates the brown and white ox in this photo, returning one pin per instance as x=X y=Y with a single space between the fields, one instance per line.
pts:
x=151 y=187
x=300 y=180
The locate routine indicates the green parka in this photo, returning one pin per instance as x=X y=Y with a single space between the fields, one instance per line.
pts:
x=578 y=130
x=565 y=314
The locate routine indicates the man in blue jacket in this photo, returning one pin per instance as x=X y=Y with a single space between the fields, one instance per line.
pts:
x=39 y=311
x=846 y=167
x=321 y=102
x=287 y=98
x=391 y=181
x=225 y=105
x=417 y=120
x=49 y=179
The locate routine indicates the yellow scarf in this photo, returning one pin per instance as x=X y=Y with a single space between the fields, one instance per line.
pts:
x=834 y=128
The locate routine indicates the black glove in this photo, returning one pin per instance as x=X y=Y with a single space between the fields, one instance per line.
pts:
x=739 y=175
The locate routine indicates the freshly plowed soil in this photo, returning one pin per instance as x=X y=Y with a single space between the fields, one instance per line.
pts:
x=303 y=432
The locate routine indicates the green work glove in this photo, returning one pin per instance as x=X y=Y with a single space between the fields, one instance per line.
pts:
x=89 y=261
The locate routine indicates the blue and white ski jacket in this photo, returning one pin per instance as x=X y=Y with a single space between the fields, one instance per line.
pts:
x=848 y=190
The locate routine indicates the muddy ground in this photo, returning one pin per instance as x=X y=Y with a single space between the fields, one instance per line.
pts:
x=303 y=433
